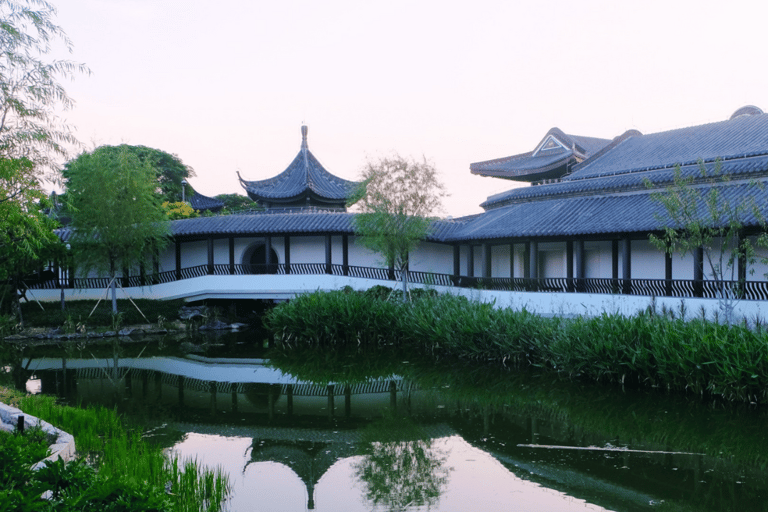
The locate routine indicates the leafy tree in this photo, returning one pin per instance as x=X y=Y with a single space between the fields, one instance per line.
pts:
x=700 y=215
x=234 y=203
x=32 y=137
x=395 y=199
x=28 y=234
x=30 y=88
x=117 y=219
x=169 y=169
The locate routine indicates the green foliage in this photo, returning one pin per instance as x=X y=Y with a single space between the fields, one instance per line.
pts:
x=333 y=318
x=699 y=214
x=26 y=232
x=30 y=92
x=234 y=203
x=131 y=473
x=117 y=219
x=396 y=198
x=646 y=350
x=78 y=310
x=18 y=453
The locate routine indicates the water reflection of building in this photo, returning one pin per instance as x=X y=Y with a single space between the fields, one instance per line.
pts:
x=198 y=385
x=304 y=427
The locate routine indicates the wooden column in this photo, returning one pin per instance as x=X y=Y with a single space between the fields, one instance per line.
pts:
x=667 y=274
x=470 y=261
x=698 y=272
x=155 y=267
x=569 y=265
x=210 y=256
x=527 y=260
x=511 y=261
x=615 y=266
x=456 y=264
x=178 y=260
x=345 y=254
x=626 y=265
x=486 y=252
x=287 y=254
x=328 y=255
x=268 y=255
x=533 y=259
x=741 y=269
x=579 y=261
x=232 y=255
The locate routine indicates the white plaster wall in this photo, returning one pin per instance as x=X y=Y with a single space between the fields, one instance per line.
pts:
x=647 y=261
x=193 y=254
x=759 y=269
x=519 y=260
x=597 y=260
x=360 y=256
x=434 y=258
x=552 y=259
x=499 y=260
x=308 y=249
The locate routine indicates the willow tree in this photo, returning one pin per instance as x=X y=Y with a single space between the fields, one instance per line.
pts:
x=396 y=200
x=117 y=219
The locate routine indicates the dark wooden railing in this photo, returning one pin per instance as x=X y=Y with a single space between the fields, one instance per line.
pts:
x=748 y=290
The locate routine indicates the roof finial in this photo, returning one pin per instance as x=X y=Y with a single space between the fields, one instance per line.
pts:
x=304 y=131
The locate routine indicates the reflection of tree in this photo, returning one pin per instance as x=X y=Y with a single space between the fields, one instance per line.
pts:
x=401 y=468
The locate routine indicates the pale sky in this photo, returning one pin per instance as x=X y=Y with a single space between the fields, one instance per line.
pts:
x=226 y=85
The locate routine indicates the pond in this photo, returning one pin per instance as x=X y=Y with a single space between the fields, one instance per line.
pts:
x=306 y=430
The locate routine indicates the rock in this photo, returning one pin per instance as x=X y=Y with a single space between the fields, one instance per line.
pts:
x=190 y=312
x=216 y=325
x=127 y=331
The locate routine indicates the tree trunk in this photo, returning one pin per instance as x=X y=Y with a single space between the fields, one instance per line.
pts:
x=113 y=288
x=404 y=273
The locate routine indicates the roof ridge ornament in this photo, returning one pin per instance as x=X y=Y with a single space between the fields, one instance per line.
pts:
x=304 y=131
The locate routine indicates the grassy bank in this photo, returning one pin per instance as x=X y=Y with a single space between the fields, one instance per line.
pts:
x=649 y=349
x=129 y=470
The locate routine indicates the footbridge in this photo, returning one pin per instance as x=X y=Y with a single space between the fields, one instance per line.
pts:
x=563 y=296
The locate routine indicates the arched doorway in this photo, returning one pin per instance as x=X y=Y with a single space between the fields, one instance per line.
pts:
x=255 y=259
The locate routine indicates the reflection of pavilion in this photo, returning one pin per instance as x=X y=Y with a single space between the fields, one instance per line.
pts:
x=310 y=453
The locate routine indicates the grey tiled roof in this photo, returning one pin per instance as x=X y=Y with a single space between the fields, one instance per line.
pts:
x=740 y=137
x=524 y=164
x=201 y=202
x=300 y=223
x=305 y=176
x=592 y=214
x=265 y=224
x=754 y=166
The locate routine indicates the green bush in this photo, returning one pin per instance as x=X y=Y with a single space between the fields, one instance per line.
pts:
x=696 y=356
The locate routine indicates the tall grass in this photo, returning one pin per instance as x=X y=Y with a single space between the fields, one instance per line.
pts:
x=645 y=350
x=122 y=456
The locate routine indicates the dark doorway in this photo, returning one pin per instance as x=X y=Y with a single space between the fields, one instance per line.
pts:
x=255 y=260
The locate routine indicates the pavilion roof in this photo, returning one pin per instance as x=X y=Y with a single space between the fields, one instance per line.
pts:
x=552 y=158
x=304 y=181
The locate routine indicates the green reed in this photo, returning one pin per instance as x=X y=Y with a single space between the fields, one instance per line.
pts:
x=706 y=358
x=122 y=456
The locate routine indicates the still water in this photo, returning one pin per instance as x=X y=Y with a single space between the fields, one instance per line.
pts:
x=306 y=430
